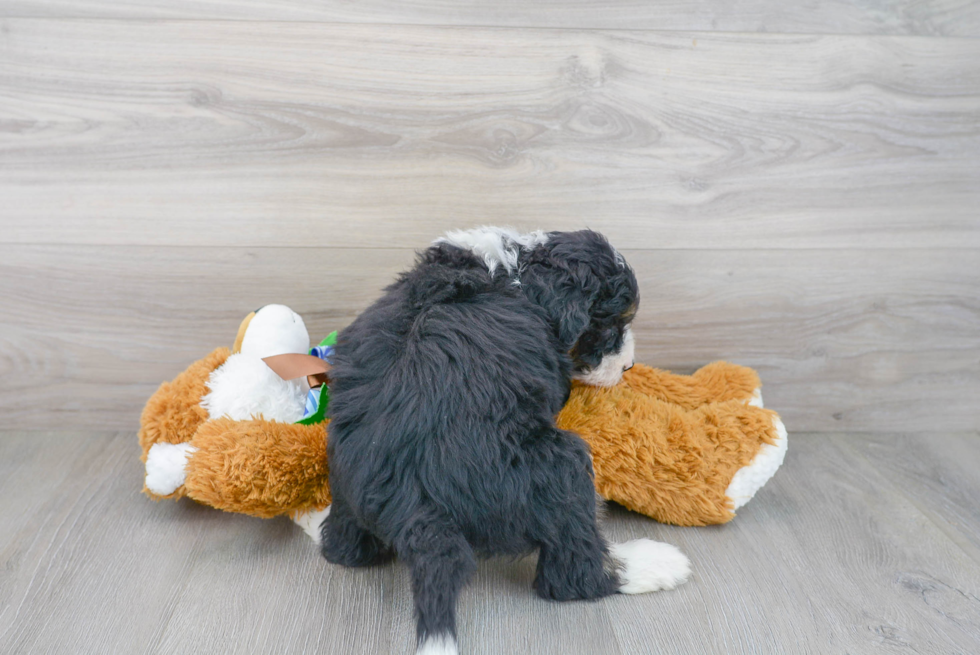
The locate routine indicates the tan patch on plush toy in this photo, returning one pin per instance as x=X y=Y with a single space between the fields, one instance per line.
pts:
x=673 y=447
x=240 y=337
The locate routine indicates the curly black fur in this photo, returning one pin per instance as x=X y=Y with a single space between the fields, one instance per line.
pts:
x=442 y=442
x=591 y=293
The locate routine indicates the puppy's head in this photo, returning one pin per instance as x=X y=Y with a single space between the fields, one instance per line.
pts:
x=591 y=295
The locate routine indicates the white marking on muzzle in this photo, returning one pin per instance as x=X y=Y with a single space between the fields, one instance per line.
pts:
x=610 y=370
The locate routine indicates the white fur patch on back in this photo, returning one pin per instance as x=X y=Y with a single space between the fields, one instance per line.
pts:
x=749 y=479
x=245 y=387
x=438 y=645
x=311 y=521
x=166 y=466
x=649 y=566
x=620 y=260
x=498 y=246
x=610 y=370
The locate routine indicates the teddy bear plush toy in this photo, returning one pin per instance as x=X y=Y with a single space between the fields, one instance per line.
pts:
x=233 y=433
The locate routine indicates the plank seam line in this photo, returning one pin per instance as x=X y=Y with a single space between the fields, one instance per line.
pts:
x=68 y=244
x=474 y=26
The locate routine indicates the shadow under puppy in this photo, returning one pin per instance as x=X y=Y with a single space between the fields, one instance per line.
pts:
x=443 y=443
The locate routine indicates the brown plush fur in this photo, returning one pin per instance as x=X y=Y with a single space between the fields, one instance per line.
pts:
x=173 y=413
x=660 y=459
x=713 y=383
x=664 y=445
x=258 y=467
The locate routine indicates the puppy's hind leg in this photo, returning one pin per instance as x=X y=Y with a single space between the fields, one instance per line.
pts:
x=573 y=561
x=344 y=541
x=441 y=562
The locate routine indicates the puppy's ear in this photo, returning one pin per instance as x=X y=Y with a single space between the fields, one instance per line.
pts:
x=564 y=288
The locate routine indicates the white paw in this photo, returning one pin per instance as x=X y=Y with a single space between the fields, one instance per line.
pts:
x=749 y=479
x=165 y=467
x=437 y=645
x=649 y=566
x=311 y=521
x=756 y=399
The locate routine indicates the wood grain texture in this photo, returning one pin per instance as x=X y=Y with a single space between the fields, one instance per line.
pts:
x=844 y=340
x=246 y=133
x=798 y=190
x=830 y=557
x=938 y=473
x=83 y=571
x=833 y=555
x=89 y=333
x=901 y=17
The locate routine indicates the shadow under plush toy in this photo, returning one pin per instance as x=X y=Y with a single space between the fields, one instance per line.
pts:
x=232 y=433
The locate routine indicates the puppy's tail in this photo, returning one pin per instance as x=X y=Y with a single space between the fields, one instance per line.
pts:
x=441 y=562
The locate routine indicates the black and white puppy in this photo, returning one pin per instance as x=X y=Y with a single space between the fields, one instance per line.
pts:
x=442 y=440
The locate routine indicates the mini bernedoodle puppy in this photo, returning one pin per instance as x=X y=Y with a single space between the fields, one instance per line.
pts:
x=442 y=439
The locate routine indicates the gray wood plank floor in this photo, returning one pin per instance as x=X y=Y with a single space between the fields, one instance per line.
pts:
x=798 y=189
x=860 y=544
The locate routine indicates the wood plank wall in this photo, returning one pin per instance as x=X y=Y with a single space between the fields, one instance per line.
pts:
x=798 y=192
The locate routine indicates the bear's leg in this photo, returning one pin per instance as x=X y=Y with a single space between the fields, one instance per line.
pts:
x=749 y=479
x=166 y=467
x=311 y=521
x=715 y=382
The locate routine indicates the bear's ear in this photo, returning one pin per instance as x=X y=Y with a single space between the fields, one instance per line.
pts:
x=237 y=347
x=564 y=288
